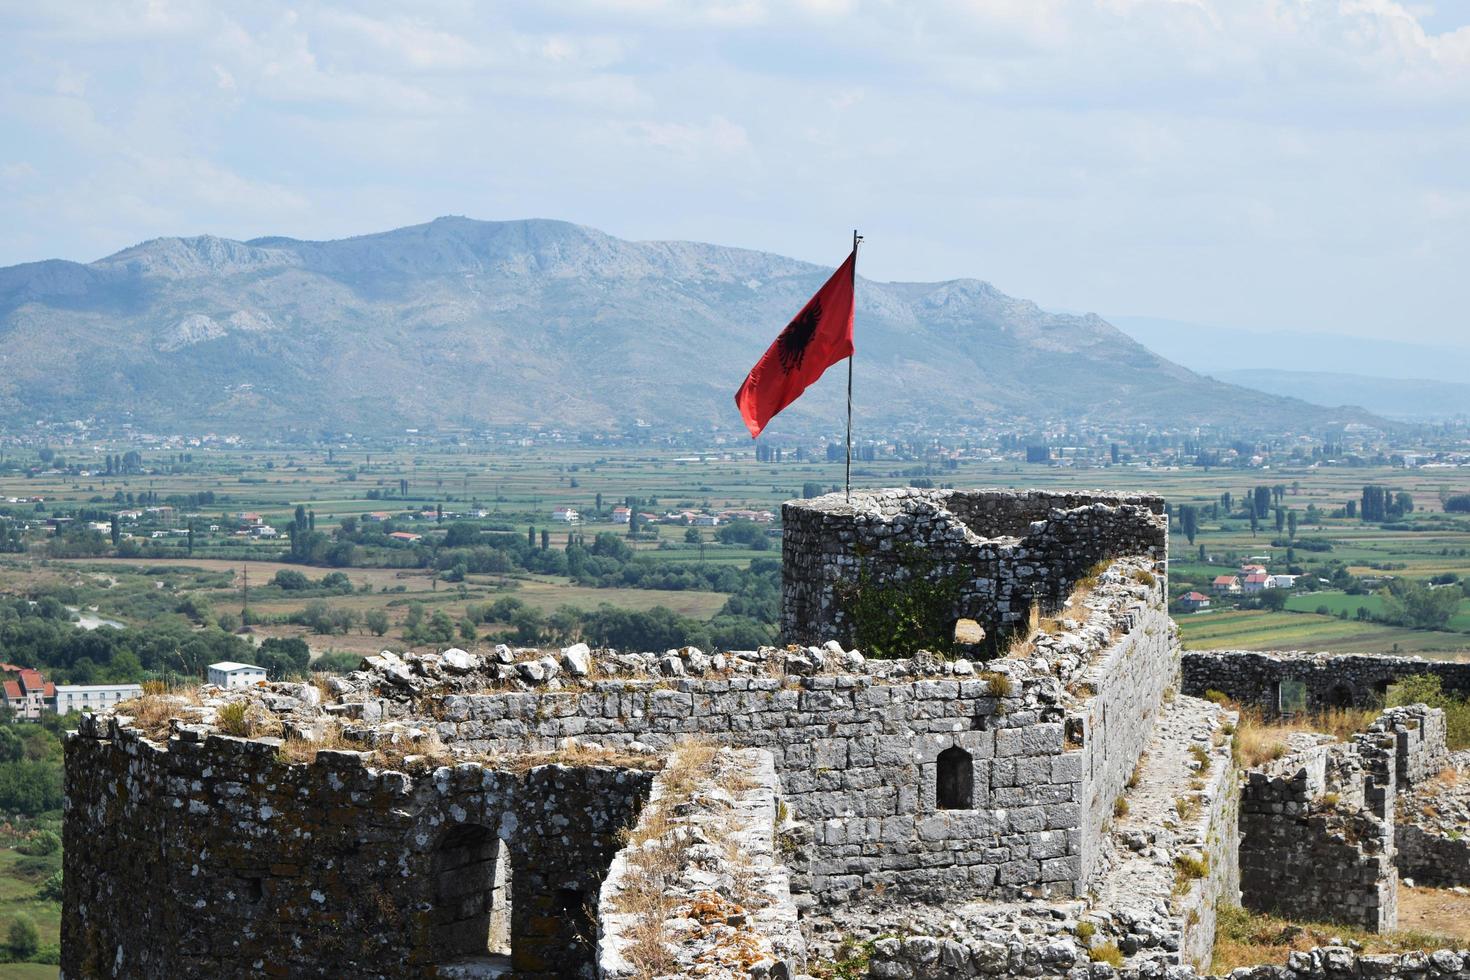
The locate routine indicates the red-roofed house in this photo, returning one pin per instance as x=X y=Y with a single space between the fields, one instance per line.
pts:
x=1194 y=601
x=1226 y=584
x=1258 y=582
x=406 y=536
x=26 y=694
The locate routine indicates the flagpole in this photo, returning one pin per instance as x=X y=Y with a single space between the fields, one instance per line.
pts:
x=855 y=239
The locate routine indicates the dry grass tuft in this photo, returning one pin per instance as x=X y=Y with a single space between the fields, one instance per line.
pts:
x=575 y=754
x=1108 y=953
x=1258 y=741
x=152 y=712
x=1249 y=939
x=1021 y=645
x=413 y=755
x=997 y=685
x=246 y=719
x=298 y=750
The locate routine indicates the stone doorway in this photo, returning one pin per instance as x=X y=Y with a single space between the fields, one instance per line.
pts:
x=470 y=919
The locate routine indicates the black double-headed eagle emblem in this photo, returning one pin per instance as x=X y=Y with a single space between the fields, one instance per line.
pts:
x=793 y=342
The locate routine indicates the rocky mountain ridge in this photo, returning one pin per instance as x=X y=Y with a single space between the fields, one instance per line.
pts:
x=464 y=323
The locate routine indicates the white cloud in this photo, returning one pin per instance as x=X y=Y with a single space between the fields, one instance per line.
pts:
x=1244 y=158
x=718 y=136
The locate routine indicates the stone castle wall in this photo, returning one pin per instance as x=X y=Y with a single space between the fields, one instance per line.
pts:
x=1420 y=750
x=931 y=958
x=858 y=759
x=859 y=755
x=1329 y=680
x=1121 y=693
x=211 y=857
x=1431 y=860
x=1201 y=901
x=1317 y=834
x=1000 y=552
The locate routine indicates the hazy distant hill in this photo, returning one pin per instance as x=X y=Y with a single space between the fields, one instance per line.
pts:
x=1216 y=350
x=1399 y=398
x=472 y=322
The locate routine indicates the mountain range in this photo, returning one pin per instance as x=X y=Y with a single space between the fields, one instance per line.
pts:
x=465 y=323
x=1408 y=399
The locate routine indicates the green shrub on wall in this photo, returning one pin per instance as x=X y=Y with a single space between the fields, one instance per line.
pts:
x=895 y=618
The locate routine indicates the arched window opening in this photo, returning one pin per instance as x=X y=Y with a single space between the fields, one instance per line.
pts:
x=955 y=787
x=465 y=874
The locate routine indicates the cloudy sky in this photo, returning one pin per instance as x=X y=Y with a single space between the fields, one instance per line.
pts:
x=1264 y=164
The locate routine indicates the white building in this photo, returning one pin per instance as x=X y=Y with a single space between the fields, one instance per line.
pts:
x=90 y=697
x=565 y=514
x=229 y=674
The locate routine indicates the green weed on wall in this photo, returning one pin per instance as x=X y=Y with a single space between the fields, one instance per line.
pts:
x=895 y=618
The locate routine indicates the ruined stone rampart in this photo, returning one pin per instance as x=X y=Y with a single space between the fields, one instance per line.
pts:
x=1420 y=751
x=997 y=553
x=209 y=856
x=1327 y=680
x=1431 y=859
x=1317 y=833
x=700 y=889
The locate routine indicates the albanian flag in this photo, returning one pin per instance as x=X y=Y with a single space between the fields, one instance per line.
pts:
x=818 y=337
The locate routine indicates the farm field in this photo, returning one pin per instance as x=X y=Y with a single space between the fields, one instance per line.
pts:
x=515 y=489
x=1254 y=629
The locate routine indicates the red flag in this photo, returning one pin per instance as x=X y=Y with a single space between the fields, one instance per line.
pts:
x=817 y=338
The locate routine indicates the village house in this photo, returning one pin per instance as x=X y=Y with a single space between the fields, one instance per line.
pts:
x=228 y=674
x=1257 y=582
x=621 y=515
x=67 y=698
x=1194 y=601
x=1226 y=585
x=565 y=515
x=25 y=692
x=407 y=537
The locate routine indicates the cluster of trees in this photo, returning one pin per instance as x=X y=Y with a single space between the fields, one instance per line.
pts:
x=12 y=538
x=746 y=620
x=659 y=628
x=1419 y=605
x=30 y=767
x=1382 y=504
x=333 y=583
x=329 y=620
x=44 y=637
